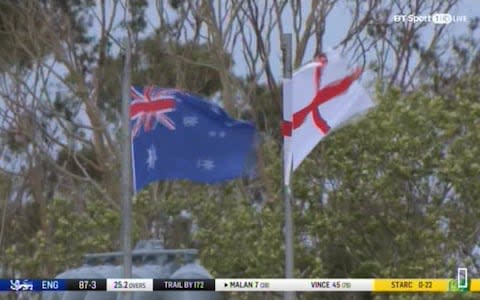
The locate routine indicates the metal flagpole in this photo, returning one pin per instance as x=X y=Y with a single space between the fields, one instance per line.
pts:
x=126 y=177
x=287 y=193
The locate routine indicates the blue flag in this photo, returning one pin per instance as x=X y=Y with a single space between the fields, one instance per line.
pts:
x=176 y=135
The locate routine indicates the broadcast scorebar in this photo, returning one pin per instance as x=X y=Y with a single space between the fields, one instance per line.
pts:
x=243 y=285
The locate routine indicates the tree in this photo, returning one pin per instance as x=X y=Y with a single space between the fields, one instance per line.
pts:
x=391 y=195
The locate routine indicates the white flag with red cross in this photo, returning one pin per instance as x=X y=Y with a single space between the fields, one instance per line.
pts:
x=319 y=98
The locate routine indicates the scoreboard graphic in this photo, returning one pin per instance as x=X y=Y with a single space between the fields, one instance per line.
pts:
x=461 y=284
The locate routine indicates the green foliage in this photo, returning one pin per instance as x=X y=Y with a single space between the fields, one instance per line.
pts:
x=80 y=161
x=186 y=66
x=266 y=111
x=26 y=33
x=69 y=232
x=16 y=20
x=400 y=190
x=249 y=241
x=137 y=10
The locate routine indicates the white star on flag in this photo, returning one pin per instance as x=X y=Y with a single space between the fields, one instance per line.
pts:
x=151 y=157
x=206 y=164
x=190 y=121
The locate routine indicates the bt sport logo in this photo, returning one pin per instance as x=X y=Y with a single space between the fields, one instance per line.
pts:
x=435 y=18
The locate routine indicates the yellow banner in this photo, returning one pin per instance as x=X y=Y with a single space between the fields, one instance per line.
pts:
x=411 y=285
x=475 y=285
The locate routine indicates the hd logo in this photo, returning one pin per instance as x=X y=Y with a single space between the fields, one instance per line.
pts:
x=453 y=286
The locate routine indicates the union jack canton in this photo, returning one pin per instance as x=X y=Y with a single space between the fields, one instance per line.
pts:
x=151 y=104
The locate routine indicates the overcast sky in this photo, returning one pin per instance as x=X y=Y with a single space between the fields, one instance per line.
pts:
x=337 y=25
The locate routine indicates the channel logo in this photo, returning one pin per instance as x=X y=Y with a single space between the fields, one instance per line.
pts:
x=17 y=285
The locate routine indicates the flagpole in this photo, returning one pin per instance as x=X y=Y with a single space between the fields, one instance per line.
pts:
x=126 y=176
x=287 y=193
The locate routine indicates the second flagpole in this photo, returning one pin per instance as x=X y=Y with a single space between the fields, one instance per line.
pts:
x=287 y=192
x=126 y=176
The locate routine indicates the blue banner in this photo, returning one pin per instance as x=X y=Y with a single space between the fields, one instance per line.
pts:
x=35 y=285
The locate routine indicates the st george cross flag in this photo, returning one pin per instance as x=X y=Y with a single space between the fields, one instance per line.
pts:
x=176 y=135
x=319 y=98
